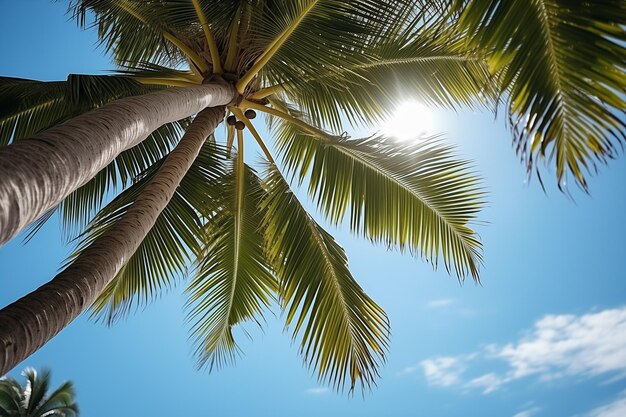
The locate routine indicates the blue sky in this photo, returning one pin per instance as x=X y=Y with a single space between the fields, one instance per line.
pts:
x=545 y=334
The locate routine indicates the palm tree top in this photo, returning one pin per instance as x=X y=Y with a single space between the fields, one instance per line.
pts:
x=34 y=398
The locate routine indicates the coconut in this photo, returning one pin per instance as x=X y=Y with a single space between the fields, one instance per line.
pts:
x=240 y=125
x=231 y=120
x=250 y=114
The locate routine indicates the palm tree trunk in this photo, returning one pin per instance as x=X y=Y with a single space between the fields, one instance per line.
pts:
x=37 y=173
x=33 y=320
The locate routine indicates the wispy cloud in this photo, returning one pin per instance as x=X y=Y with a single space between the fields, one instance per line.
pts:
x=409 y=370
x=317 y=391
x=444 y=371
x=441 y=303
x=528 y=413
x=487 y=382
x=557 y=346
x=615 y=409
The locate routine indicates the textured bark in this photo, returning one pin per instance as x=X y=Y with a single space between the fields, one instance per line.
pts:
x=37 y=173
x=33 y=320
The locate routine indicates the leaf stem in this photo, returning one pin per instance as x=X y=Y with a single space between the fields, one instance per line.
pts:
x=191 y=54
x=272 y=49
x=231 y=54
x=215 y=55
x=275 y=112
x=241 y=116
x=266 y=92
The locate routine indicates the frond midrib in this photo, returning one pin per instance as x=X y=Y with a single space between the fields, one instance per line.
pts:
x=237 y=243
x=22 y=112
x=555 y=64
x=449 y=224
x=379 y=62
x=335 y=279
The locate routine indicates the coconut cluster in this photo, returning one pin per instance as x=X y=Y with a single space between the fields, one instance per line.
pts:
x=239 y=125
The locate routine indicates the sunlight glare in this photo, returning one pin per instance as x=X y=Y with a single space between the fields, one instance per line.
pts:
x=412 y=120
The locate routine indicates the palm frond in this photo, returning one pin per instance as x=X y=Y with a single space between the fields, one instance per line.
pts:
x=59 y=403
x=414 y=196
x=232 y=283
x=28 y=106
x=149 y=73
x=332 y=35
x=563 y=67
x=36 y=388
x=170 y=245
x=10 y=396
x=33 y=399
x=428 y=63
x=131 y=30
x=344 y=332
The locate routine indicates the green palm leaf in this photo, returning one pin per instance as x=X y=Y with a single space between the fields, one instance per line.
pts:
x=28 y=106
x=326 y=37
x=431 y=64
x=131 y=30
x=33 y=399
x=416 y=196
x=563 y=70
x=344 y=332
x=233 y=282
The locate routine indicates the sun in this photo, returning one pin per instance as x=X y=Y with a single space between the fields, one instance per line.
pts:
x=411 y=120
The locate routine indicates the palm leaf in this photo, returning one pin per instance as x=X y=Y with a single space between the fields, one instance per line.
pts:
x=28 y=106
x=429 y=63
x=331 y=35
x=36 y=388
x=33 y=400
x=10 y=396
x=149 y=73
x=563 y=70
x=344 y=332
x=59 y=403
x=131 y=30
x=416 y=196
x=232 y=284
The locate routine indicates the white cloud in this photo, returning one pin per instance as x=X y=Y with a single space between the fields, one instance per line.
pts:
x=528 y=413
x=615 y=409
x=568 y=345
x=409 y=370
x=443 y=371
x=317 y=391
x=488 y=382
x=441 y=303
x=557 y=346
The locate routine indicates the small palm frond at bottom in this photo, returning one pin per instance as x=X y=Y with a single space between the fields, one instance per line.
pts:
x=33 y=399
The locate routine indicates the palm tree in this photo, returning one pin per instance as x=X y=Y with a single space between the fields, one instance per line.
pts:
x=309 y=65
x=33 y=400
